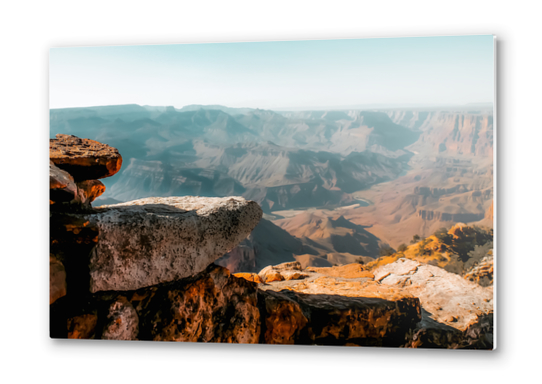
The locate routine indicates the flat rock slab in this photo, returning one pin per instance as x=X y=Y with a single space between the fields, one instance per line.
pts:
x=297 y=318
x=348 y=271
x=456 y=313
x=447 y=297
x=401 y=267
x=84 y=159
x=158 y=240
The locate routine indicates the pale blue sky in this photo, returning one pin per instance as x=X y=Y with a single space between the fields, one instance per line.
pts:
x=320 y=73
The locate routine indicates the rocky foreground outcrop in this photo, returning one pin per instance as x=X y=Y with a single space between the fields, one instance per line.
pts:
x=84 y=159
x=482 y=272
x=454 y=312
x=157 y=240
x=143 y=270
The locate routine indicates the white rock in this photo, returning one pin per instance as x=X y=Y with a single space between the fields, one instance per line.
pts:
x=158 y=240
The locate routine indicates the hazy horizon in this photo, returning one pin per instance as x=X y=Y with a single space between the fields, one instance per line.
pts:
x=482 y=105
x=419 y=72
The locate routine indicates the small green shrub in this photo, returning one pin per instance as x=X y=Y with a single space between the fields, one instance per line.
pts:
x=402 y=248
x=415 y=239
x=386 y=250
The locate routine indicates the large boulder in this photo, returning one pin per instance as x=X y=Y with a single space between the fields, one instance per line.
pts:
x=213 y=306
x=84 y=159
x=283 y=320
x=253 y=277
x=158 y=240
x=363 y=321
x=62 y=187
x=285 y=271
x=446 y=297
x=291 y=317
x=89 y=190
x=332 y=310
x=122 y=321
x=57 y=279
x=415 y=305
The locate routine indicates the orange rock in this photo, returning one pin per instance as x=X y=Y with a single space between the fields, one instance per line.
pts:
x=71 y=229
x=489 y=212
x=285 y=271
x=61 y=184
x=293 y=275
x=90 y=190
x=254 y=277
x=84 y=159
x=348 y=271
x=284 y=318
x=57 y=279
x=461 y=231
x=59 y=179
x=82 y=326
x=212 y=307
x=273 y=276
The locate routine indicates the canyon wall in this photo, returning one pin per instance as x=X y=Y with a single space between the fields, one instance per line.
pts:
x=449 y=132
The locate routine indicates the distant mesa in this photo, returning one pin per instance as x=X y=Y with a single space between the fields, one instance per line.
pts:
x=332 y=236
x=449 y=132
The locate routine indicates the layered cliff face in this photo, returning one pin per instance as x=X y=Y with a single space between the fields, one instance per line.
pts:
x=276 y=177
x=449 y=133
x=437 y=192
x=281 y=161
x=144 y=270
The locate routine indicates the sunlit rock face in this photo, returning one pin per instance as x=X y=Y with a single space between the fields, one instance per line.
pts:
x=158 y=240
x=449 y=132
x=214 y=306
x=426 y=305
x=84 y=159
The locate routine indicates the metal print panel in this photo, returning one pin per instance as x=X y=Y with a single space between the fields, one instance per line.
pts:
x=334 y=192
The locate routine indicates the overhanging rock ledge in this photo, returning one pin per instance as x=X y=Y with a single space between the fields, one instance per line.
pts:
x=159 y=240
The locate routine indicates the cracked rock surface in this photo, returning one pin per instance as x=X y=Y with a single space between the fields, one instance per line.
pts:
x=447 y=297
x=158 y=240
x=84 y=159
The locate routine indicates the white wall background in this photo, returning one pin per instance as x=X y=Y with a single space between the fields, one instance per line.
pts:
x=29 y=29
